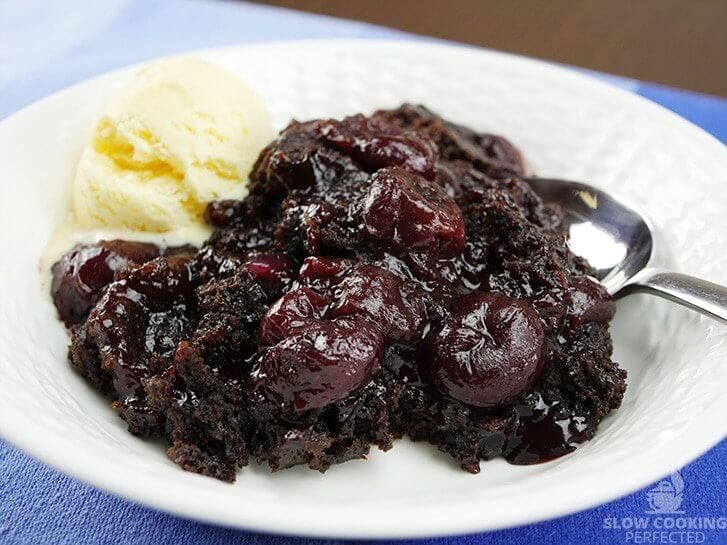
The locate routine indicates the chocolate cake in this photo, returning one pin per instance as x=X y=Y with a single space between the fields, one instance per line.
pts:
x=386 y=275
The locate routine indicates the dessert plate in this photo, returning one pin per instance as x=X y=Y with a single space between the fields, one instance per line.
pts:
x=569 y=126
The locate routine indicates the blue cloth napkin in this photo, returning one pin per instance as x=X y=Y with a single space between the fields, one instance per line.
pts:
x=47 y=45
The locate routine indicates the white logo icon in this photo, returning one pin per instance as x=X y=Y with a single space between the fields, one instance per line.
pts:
x=666 y=497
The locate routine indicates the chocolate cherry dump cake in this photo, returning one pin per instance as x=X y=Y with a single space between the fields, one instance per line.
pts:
x=386 y=276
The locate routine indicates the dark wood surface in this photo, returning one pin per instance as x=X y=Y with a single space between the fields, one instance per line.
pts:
x=682 y=43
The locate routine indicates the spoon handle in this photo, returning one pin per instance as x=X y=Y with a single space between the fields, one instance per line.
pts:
x=706 y=297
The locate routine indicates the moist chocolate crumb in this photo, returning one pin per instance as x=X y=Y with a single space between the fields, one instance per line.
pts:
x=387 y=275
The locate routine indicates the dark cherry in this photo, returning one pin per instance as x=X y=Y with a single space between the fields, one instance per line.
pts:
x=505 y=159
x=406 y=212
x=293 y=311
x=81 y=275
x=322 y=362
x=323 y=273
x=590 y=303
x=379 y=145
x=385 y=299
x=136 y=326
x=488 y=353
x=223 y=213
x=492 y=154
x=273 y=270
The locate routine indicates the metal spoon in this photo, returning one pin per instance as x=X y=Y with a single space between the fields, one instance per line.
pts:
x=619 y=242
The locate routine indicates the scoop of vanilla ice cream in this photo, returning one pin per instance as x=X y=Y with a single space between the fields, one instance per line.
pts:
x=183 y=133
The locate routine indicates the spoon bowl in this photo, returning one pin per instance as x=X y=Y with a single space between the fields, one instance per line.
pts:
x=618 y=241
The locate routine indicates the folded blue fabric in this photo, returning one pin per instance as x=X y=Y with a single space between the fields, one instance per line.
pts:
x=46 y=46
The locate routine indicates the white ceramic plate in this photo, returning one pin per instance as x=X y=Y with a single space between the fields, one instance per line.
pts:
x=568 y=125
